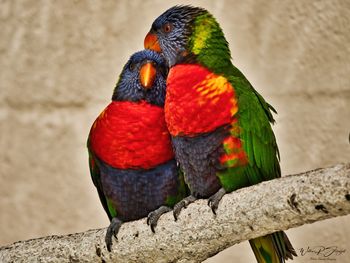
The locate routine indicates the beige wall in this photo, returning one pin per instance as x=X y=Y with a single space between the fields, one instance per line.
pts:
x=60 y=61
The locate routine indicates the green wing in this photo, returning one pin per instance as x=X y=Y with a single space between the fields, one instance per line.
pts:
x=259 y=142
x=182 y=190
x=96 y=178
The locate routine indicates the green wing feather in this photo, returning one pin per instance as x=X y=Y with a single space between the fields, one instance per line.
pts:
x=182 y=190
x=259 y=142
x=96 y=178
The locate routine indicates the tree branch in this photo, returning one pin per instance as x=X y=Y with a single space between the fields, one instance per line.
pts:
x=254 y=211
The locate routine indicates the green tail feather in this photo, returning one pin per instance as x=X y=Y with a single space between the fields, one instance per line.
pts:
x=273 y=248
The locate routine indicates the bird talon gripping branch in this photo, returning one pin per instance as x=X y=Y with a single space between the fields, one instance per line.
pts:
x=182 y=204
x=214 y=200
x=153 y=217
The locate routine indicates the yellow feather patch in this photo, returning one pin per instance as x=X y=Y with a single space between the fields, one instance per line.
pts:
x=212 y=87
x=200 y=36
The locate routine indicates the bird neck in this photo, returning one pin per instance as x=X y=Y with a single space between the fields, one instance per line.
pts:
x=206 y=37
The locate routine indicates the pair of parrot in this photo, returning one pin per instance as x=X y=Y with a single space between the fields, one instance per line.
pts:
x=182 y=101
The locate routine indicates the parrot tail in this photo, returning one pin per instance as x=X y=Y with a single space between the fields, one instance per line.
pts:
x=272 y=248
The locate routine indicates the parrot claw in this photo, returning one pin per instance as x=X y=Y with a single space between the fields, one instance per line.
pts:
x=214 y=200
x=182 y=204
x=153 y=217
x=112 y=230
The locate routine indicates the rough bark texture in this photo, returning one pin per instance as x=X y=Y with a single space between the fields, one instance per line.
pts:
x=279 y=204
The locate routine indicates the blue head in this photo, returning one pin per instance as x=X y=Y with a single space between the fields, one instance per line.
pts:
x=143 y=78
x=170 y=32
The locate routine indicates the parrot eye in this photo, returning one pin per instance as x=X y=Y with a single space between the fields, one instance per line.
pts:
x=132 y=66
x=167 y=27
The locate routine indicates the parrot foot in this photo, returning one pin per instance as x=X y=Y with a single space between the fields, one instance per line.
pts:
x=214 y=200
x=152 y=218
x=183 y=204
x=112 y=230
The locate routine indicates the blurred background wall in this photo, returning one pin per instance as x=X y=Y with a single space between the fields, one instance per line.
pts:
x=59 y=64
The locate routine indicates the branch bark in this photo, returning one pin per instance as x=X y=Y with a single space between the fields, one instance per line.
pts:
x=247 y=213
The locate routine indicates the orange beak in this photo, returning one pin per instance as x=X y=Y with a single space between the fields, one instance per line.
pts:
x=147 y=75
x=151 y=42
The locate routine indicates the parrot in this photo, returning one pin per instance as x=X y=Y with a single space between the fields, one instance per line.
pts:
x=131 y=158
x=220 y=125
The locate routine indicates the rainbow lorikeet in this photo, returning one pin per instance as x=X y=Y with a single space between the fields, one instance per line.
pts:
x=130 y=154
x=220 y=125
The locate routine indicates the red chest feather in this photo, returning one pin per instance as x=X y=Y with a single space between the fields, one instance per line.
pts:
x=131 y=135
x=197 y=100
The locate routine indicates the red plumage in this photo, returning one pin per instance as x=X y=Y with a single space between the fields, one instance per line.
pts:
x=197 y=101
x=130 y=135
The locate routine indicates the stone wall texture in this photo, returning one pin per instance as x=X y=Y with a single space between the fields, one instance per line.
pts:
x=59 y=64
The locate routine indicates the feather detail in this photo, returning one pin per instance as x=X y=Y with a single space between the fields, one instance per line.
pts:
x=197 y=101
x=131 y=135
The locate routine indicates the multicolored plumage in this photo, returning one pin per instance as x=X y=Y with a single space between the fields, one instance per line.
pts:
x=130 y=153
x=220 y=125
